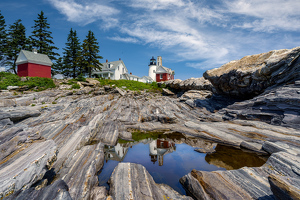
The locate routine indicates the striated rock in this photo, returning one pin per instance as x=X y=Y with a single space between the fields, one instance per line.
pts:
x=278 y=106
x=92 y=81
x=244 y=183
x=251 y=75
x=196 y=94
x=189 y=84
x=58 y=191
x=120 y=91
x=167 y=92
x=26 y=167
x=98 y=193
x=132 y=181
x=80 y=169
x=285 y=188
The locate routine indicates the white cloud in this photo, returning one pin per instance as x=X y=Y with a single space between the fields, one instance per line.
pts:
x=87 y=12
x=266 y=15
x=125 y=39
x=156 y=4
x=2 y=69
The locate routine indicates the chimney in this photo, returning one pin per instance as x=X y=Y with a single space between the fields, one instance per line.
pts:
x=119 y=58
x=106 y=60
x=130 y=73
x=34 y=51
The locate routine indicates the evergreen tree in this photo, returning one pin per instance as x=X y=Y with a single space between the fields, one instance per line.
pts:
x=72 y=52
x=16 y=41
x=57 y=67
x=3 y=40
x=90 y=57
x=41 y=37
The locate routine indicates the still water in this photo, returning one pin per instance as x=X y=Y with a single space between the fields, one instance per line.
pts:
x=168 y=157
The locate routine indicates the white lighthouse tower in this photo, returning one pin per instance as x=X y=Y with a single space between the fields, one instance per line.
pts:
x=152 y=68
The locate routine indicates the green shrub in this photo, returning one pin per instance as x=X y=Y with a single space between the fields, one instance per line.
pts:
x=37 y=83
x=80 y=78
x=75 y=86
x=131 y=85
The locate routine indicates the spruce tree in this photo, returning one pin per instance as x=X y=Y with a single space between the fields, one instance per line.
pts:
x=72 y=52
x=3 y=40
x=16 y=41
x=90 y=51
x=41 y=37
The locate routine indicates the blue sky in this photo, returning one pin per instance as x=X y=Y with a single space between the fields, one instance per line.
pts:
x=190 y=35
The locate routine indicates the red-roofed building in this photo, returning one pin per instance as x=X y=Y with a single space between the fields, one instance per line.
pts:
x=33 y=64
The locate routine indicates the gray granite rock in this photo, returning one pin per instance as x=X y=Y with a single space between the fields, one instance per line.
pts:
x=26 y=167
x=56 y=191
x=285 y=188
x=253 y=74
x=132 y=181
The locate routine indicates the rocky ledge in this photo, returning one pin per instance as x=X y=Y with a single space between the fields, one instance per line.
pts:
x=52 y=142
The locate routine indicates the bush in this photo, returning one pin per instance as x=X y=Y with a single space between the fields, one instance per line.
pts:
x=9 y=79
x=131 y=85
x=75 y=86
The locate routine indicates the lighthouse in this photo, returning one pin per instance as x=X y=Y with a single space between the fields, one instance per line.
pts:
x=152 y=68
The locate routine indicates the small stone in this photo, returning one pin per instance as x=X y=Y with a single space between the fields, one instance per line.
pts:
x=12 y=87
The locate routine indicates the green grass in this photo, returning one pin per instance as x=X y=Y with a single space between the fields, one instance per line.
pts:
x=132 y=85
x=37 y=83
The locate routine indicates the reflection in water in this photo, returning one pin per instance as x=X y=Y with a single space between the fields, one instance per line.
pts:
x=168 y=157
x=232 y=158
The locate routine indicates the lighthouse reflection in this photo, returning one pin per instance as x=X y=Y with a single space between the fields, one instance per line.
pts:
x=157 y=150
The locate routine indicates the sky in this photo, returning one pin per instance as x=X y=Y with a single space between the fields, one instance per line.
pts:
x=192 y=36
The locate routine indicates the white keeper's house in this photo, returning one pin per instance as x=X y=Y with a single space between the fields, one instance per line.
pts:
x=117 y=70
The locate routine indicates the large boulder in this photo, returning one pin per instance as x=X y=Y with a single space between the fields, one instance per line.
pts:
x=251 y=75
x=189 y=84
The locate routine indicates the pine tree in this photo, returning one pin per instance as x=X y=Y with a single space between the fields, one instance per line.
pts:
x=41 y=37
x=90 y=57
x=16 y=41
x=72 y=52
x=3 y=40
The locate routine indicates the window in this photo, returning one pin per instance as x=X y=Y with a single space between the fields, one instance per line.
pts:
x=108 y=65
x=120 y=76
x=161 y=76
x=118 y=68
x=153 y=71
x=123 y=70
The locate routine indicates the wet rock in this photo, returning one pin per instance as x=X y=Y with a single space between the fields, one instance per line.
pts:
x=132 y=181
x=251 y=75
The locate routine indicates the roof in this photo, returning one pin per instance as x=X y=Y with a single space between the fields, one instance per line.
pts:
x=30 y=57
x=147 y=78
x=113 y=65
x=168 y=70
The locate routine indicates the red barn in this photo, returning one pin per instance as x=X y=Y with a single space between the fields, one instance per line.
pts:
x=33 y=64
x=164 y=74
